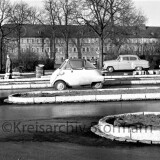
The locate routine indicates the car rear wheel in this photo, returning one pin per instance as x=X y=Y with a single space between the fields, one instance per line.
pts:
x=60 y=85
x=97 y=85
x=110 y=69
x=139 y=68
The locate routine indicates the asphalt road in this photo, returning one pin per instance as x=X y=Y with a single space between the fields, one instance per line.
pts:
x=79 y=144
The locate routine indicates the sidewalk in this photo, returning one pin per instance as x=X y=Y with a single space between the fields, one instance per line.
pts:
x=29 y=80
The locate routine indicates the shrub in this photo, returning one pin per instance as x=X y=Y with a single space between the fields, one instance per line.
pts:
x=28 y=61
x=48 y=63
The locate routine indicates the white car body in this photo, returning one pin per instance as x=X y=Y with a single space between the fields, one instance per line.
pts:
x=126 y=62
x=76 y=72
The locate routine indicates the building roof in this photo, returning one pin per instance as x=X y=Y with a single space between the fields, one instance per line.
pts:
x=29 y=30
x=151 y=32
x=74 y=31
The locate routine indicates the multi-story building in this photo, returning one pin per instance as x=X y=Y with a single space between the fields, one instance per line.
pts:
x=81 y=40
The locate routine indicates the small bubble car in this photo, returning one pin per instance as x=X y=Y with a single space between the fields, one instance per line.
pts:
x=76 y=72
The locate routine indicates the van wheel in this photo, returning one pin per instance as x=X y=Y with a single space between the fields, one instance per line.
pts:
x=138 y=68
x=60 y=85
x=97 y=85
x=110 y=69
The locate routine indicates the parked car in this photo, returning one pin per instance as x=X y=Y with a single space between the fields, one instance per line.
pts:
x=126 y=62
x=76 y=72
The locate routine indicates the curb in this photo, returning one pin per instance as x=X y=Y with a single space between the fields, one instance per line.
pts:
x=48 y=85
x=24 y=86
x=127 y=134
x=24 y=80
x=80 y=98
x=134 y=76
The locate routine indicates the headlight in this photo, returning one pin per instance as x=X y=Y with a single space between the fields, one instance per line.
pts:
x=104 y=66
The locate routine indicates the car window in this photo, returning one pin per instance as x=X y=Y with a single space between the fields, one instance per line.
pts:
x=89 y=65
x=62 y=65
x=125 y=58
x=119 y=58
x=133 y=58
x=76 y=64
x=68 y=66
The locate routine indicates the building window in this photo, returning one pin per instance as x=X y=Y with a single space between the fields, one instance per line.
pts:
x=87 y=49
x=83 y=49
x=74 y=49
x=61 y=59
x=47 y=49
x=47 y=41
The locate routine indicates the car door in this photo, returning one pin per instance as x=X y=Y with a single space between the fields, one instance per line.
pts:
x=124 y=63
x=91 y=74
x=74 y=73
x=133 y=61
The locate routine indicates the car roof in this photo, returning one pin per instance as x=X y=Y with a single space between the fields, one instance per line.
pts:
x=76 y=59
x=129 y=55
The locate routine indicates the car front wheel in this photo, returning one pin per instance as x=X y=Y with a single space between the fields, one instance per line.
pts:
x=139 y=68
x=60 y=85
x=110 y=69
x=97 y=85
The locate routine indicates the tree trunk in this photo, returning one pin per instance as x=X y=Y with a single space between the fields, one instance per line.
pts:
x=53 y=49
x=19 y=51
x=66 y=48
x=79 y=48
x=1 y=57
x=101 y=43
x=116 y=50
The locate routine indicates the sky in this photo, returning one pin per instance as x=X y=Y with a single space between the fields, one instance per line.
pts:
x=150 y=8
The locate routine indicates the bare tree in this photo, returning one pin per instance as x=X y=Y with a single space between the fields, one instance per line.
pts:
x=19 y=15
x=78 y=39
x=4 y=9
x=66 y=17
x=35 y=16
x=103 y=16
x=127 y=23
x=50 y=12
x=94 y=13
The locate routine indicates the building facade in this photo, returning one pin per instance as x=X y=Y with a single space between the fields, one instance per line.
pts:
x=81 y=40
